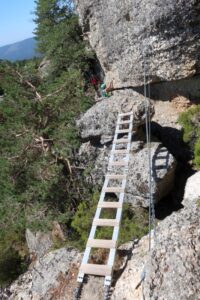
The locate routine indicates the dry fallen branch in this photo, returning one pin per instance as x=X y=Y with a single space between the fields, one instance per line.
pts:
x=42 y=143
x=38 y=96
x=55 y=93
x=64 y=161
x=22 y=133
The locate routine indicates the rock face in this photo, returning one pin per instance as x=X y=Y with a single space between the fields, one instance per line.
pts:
x=163 y=170
x=44 y=68
x=129 y=284
x=172 y=269
x=119 y=31
x=39 y=243
x=192 y=191
x=46 y=278
x=100 y=120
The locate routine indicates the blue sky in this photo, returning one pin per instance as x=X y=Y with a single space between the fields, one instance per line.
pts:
x=16 y=20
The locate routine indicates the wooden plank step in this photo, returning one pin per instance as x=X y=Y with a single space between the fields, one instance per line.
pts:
x=107 y=204
x=124 y=122
x=116 y=176
x=120 y=151
x=105 y=222
x=123 y=131
x=93 y=269
x=118 y=163
x=126 y=114
x=106 y=244
x=121 y=141
x=113 y=190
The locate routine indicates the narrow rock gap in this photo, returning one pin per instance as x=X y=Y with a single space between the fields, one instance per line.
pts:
x=171 y=138
x=165 y=90
x=172 y=202
x=94 y=141
x=1 y=91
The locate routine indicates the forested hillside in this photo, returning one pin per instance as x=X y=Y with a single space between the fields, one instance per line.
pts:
x=39 y=179
x=18 y=51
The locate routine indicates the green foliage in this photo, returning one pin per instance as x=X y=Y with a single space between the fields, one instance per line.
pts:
x=38 y=136
x=198 y=202
x=59 y=34
x=197 y=153
x=190 y=120
x=134 y=222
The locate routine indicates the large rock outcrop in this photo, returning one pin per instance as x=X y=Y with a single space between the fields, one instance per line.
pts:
x=129 y=286
x=192 y=191
x=39 y=243
x=95 y=160
x=47 y=277
x=119 y=31
x=172 y=269
x=100 y=120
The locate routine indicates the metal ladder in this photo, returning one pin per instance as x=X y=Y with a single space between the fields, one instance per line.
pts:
x=124 y=119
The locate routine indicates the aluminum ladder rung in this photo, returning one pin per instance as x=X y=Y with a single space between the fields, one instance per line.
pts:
x=107 y=204
x=105 y=244
x=93 y=269
x=120 y=151
x=105 y=222
x=126 y=114
x=113 y=189
x=124 y=122
x=116 y=176
x=121 y=141
x=123 y=131
x=118 y=163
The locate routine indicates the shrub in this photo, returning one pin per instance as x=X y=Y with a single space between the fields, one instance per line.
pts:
x=197 y=153
x=134 y=222
x=190 y=121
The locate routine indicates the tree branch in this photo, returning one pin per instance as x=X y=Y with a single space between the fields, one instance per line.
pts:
x=38 y=96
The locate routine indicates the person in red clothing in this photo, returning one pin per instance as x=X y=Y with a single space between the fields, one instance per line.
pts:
x=93 y=81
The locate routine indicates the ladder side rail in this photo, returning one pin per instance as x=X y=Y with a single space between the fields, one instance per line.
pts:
x=112 y=253
x=115 y=234
x=92 y=232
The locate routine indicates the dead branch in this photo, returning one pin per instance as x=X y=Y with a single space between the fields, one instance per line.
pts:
x=42 y=143
x=79 y=168
x=38 y=96
x=55 y=93
x=64 y=160
x=13 y=157
x=22 y=133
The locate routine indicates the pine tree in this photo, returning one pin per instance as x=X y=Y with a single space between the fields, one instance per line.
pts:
x=39 y=181
x=58 y=33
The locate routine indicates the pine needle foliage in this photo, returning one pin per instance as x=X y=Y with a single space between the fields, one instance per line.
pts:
x=39 y=142
x=190 y=120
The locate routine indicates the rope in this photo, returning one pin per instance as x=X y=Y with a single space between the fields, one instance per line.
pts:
x=147 y=91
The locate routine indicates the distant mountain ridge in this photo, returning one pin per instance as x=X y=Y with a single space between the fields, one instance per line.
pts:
x=25 y=49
